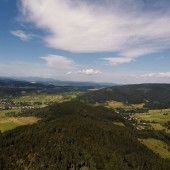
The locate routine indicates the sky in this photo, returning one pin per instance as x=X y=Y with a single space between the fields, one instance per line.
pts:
x=125 y=41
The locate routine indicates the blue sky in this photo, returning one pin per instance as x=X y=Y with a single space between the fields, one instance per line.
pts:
x=125 y=41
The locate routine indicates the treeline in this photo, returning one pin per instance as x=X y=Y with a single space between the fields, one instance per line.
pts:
x=73 y=135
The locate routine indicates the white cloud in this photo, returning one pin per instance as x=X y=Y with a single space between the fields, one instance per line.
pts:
x=129 y=27
x=118 y=60
x=69 y=72
x=67 y=66
x=13 y=68
x=21 y=35
x=59 y=63
x=155 y=75
x=89 y=71
x=164 y=75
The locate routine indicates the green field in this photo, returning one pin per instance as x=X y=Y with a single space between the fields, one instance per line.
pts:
x=3 y=112
x=157 y=126
x=115 y=104
x=39 y=98
x=46 y=97
x=157 y=146
x=7 y=126
x=8 y=123
x=155 y=118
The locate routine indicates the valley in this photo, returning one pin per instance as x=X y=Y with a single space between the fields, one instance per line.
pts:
x=69 y=127
x=10 y=108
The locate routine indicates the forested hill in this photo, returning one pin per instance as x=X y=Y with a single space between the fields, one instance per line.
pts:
x=14 y=87
x=75 y=136
x=153 y=95
x=9 y=87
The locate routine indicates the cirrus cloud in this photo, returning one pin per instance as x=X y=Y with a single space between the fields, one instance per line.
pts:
x=21 y=35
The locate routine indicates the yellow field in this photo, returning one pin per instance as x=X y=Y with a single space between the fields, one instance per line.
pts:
x=157 y=147
x=115 y=104
x=139 y=106
x=8 y=123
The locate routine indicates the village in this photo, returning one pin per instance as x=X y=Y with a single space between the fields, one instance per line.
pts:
x=6 y=104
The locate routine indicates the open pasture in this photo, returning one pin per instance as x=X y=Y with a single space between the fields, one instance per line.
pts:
x=115 y=104
x=46 y=98
x=39 y=98
x=157 y=146
x=8 y=123
x=155 y=116
x=3 y=112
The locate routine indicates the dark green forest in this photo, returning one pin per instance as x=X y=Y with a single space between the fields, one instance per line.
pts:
x=73 y=135
x=155 y=96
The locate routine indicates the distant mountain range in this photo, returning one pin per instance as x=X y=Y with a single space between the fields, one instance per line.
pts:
x=16 y=86
x=56 y=82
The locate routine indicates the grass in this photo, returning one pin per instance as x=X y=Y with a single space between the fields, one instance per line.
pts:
x=115 y=104
x=138 y=106
x=157 y=146
x=46 y=97
x=3 y=112
x=39 y=98
x=9 y=123
x=119 y=124
x=7 y=126
x=157 y=126
x=156 y=118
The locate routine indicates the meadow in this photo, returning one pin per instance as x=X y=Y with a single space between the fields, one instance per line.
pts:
x=157 y=146
x=115 y=105
x=8 y=123
x=45 y=98
x=4 y=112
x=155 y=118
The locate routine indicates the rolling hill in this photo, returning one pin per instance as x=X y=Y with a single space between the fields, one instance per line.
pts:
x=76 y=136
x=153 y=95
x=16 y=87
